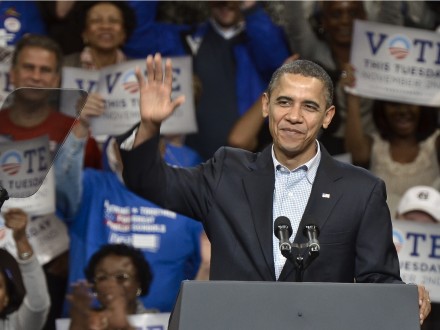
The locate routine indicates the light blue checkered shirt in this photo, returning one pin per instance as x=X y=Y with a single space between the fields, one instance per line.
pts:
x=292 y=192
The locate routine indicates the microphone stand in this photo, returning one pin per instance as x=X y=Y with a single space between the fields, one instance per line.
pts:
x=309 y=249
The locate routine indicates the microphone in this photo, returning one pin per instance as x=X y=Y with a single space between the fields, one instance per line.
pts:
x=283 y=231
x=312 y=232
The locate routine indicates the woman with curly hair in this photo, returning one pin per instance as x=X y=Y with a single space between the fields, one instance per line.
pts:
x=117 y=274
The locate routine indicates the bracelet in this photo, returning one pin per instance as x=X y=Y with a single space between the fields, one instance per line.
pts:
x=25 y=255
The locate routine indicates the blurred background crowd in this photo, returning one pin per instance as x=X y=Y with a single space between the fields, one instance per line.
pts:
x=235 y=46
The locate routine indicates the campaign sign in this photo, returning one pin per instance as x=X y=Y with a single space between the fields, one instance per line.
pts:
x=26 y=174
x=118 y=86
x=24 y=165
x=153 y=321
x=396 y=63
x=46 y=233
x=418 y=247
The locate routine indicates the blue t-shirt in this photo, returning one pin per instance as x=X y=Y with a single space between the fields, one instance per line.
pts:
x=110 y=213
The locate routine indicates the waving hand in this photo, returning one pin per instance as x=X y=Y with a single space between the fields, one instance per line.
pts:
x=155 y=101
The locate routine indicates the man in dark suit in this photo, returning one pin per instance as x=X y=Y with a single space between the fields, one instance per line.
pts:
x=238 y=194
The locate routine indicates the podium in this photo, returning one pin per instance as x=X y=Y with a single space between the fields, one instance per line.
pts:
x=233 y=305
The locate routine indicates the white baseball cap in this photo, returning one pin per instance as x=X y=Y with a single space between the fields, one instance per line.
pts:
x=421 y=198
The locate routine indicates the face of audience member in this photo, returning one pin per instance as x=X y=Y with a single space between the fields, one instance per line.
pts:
x=4 y=299
x=402 y=118
x=296 y=110
x=338 y=17
x=104 y=27
x=226 y=13
x=35 y=67
x=417 y=216
x=116 y=274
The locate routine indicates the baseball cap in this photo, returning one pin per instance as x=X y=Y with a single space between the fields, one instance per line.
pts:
x=421 y=198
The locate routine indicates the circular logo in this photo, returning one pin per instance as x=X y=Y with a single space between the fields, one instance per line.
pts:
x=129 y=82
x=11 y=162
x=399 y=47
x=398 y=239
x=12 y=24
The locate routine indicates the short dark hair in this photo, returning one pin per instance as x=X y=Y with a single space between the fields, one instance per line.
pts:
x=123 y=250
x=14 y=283
x=39 y=41
x=127 y=12
x=306 y=69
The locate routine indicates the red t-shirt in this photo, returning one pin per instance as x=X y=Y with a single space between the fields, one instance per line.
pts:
x=56 y=126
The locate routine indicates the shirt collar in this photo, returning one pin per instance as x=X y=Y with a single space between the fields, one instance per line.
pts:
x=311 y=166
x=228 y=33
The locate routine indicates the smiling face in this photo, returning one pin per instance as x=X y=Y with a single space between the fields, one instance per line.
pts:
x=402 y=118
x=117 y=275
x=338 y=18
x=297 y=110
x=35 y=67
x=104 y=27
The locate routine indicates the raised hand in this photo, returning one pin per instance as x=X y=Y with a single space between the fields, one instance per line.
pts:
x=16 y=220
x=155 y=101
x=80 y=299
x=94 y=107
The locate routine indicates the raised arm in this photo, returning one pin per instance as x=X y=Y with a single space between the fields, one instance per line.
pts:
x=35 y=307
x=357 y=142
x=244 y=133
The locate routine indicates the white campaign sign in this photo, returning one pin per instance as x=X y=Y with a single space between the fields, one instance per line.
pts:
x=396 y=63
x=155 y=321
x=47 y=234
x=118 y=86
x=418 y=246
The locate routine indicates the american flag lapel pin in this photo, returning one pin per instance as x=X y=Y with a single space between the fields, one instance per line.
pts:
x=325 y=195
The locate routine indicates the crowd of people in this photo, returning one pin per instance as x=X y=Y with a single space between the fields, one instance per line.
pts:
x=144 y=209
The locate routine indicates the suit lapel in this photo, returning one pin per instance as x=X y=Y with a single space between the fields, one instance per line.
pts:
x=259 y=186
x=323 y=198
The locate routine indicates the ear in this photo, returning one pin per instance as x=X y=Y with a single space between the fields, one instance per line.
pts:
x=265 y=105
x=6 y=301
x=328 y=116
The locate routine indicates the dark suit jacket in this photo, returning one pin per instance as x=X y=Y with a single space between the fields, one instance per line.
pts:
x=232 y=194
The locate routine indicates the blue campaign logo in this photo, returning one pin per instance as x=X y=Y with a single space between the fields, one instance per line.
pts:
x=399 y=47
x=11 y=162
x=398 y=239
x=129 y=82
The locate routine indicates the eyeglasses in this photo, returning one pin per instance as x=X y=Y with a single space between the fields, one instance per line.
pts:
x=119 y=277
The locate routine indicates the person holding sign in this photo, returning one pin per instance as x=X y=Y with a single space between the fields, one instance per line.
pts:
x=422 y=204
x=238 y=194
x=36 y=64
x=405 y=152
x=326 y=38
x=105 y=26
x=24 y=297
